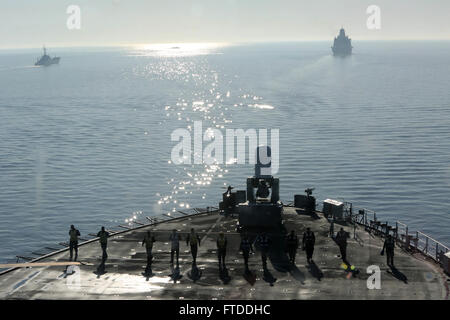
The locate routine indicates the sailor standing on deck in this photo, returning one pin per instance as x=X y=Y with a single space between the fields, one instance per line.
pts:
x=194 y=241
x=149 y=239
x=389 y=245
x=292 y=246
x=308 y=243
x=341 y=240
x=103 y=239
x=264 y=242
x=221 y=250
x=174 y=245
x=73 y=241
x=246 y=248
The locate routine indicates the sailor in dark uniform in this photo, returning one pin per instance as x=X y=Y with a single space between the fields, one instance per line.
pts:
x=148 y=241
x=221 y=250
x=389 y=245
x=193 y=240
x=73 y=242
x=103 y=239
x=292 y=246
x=263 y=242
x=308 y=243
x=341 y=240
x=246 y=247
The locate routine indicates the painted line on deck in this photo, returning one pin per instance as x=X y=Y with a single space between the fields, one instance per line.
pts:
x=22 y=283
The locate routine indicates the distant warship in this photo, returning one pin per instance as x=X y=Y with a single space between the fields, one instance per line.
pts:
x=342 y=45
x=46 y=60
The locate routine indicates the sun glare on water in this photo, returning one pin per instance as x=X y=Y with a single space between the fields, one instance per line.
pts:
x=176 y=49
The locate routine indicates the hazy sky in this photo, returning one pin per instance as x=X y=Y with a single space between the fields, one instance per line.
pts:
x=29 y=23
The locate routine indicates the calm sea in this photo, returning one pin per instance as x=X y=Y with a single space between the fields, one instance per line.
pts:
x=88 y=142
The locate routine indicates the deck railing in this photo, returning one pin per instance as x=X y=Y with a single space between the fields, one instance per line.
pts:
x=414 y=241
x=419 y=241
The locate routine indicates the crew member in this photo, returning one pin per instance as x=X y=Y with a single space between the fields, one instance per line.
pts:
x=194 y=241
x=246 y=247
x=264 y=242
x=341 y=240
x=389 y=245
x=332 y=228
x=103 y=239
x=174 y=245
x=73 y=241
x=308 y=243
x=149 y=239
x=292 y=246
x=221 y=250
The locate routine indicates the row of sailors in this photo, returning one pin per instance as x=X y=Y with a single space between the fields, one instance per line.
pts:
x=246 y=246
x=193 y=240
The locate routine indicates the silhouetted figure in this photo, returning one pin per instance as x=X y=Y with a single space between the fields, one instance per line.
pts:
x=389 y=245
x=194 y=241
x=103 y=239
x=246 y=247
x=292 y=246
x=221 y=250
x=73 y=241
x=174 y=245
x=228 y=201
x=148 y=240
x=308 y=243
x=341 y=240
x=263 y=242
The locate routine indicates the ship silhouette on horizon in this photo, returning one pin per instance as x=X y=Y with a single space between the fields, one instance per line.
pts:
x=342 y=45
x=46 y=60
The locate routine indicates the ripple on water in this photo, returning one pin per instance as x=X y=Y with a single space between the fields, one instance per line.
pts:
x=94 y=148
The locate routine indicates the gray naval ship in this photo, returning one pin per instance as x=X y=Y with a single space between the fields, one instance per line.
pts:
x=45 y=60
x=127 y=271
x=342 y=45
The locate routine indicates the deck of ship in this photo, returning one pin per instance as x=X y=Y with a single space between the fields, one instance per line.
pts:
x=415 y=277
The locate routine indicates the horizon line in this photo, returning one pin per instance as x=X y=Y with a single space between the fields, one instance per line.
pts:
x=124 y=45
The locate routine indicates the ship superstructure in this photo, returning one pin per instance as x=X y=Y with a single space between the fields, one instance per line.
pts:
x=342 y=45
x=45 y=60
